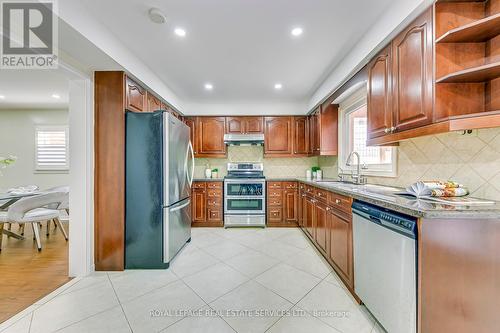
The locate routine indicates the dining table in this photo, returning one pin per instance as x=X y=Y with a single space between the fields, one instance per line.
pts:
x=7 y=199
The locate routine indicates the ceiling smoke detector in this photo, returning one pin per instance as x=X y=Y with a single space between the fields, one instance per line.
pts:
x=157 y=16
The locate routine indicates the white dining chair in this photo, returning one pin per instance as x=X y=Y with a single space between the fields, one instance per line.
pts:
x=32 y=210
x=61 y=206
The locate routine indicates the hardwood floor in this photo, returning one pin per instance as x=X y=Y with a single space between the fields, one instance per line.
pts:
x=27 y=275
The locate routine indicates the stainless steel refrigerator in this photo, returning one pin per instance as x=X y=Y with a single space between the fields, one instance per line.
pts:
x=159 y=174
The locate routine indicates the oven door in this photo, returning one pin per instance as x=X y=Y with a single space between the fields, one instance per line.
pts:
x=244 y=188
x=244 y=205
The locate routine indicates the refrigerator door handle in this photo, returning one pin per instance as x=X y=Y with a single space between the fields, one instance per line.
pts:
x=190 y=146
x=180 y=207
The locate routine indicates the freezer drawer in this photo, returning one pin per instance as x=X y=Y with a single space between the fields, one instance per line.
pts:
x=176 y=228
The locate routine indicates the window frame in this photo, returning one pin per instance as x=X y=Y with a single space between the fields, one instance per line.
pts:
x=352 y=103
x=56 y=169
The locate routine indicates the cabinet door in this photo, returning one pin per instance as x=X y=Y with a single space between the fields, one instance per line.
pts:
x=136 y=97
x=320 y=214
x=412 y=60
x=315 y=132
x=340 y=244
x=328 y=129
x=210 y=135
x=191 y=123
x=301 y=136
x=290 y=206
x=278 y=136
x=254 y=125
x=154 y=103
x=309 y=216
x=198 y=202
x=235 y=125
x=380 y=94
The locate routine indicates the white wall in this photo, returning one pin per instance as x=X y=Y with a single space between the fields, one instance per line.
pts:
x=17 y=137
x=398 y=15
x=246 y=109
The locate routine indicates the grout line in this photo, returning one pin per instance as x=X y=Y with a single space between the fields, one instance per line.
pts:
x=120 y=303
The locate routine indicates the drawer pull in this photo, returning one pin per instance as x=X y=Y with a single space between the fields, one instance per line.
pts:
x=337 y=201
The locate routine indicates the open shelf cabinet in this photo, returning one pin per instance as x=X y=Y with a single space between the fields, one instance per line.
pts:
x=467 y=63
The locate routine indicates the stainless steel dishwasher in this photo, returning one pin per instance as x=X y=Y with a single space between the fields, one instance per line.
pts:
x=385 y=273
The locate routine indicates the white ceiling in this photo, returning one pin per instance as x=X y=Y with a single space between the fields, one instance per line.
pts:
x=243 y=47
x=24 y=89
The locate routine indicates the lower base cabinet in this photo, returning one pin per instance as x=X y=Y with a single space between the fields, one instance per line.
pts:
x=282 y=204
x=206 y=204
x=328 y=224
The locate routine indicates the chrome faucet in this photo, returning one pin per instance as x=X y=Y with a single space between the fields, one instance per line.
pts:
x=357 y=178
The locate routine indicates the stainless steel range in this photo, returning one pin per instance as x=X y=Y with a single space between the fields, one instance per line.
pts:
x=245 y=195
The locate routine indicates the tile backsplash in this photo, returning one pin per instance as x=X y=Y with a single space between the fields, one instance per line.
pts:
x=471 y=159
x=273 y=167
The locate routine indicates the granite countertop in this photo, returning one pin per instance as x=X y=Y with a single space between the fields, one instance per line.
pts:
x=386 y=197
x=208 y=179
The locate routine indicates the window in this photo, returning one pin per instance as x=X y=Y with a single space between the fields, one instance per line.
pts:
x=51 y=148
x=375 y=161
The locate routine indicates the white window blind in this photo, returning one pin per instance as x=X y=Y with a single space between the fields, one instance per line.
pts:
x=51 y=148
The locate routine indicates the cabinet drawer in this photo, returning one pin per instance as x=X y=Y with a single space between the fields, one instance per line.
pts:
x=274 y=214
x=217 y=185
x=309 y=190
x=340 y=202
x=214 y=202
x=199 y=185
x=289 y=185
x=321 y=194
x=273 y=185
x=274 y=193
x=214 y=193
x=214 y=214
x=275 y=201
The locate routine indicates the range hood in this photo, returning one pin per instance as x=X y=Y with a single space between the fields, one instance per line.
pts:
x=244 y=139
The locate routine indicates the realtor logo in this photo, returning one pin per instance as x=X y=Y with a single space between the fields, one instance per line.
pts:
x=29 y=35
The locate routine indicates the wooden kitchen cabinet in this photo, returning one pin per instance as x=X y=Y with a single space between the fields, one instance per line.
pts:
x=301 y=140
x=209 y=132
x=154 y=103
x=340 y=247
x=320 y=218
x=206 y=204
x=309 y=216
x=135 y=96
x=244 y=125
x=278 y=140
x=412 y=74
x=380 y=94
x=191 y=123
x=282 y=204
x=323 y=129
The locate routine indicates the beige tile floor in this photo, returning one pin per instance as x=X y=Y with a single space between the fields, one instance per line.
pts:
x=234 y=280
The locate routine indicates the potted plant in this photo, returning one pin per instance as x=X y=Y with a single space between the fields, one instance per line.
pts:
x=315 y=171
x=215 y=173
x=7 y=161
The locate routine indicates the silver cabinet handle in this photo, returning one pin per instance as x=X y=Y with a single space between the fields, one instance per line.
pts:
x=387 y=130
x=393 y=129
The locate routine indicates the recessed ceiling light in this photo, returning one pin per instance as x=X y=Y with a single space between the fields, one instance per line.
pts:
x=297 y=31
x=180 y=32
x=2 y=97
x=209 y=86
x=278 y=86
x=157 y=16
x=56 y=96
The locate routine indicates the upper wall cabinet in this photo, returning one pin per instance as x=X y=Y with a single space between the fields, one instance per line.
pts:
x=412 y=59
x=278 y=136
x=154 y=103
x=301 y=141
x=379 y=94
x=244 y=125
x=328 y=129
x=209 y=131
x=135 y=96
x=191 y=123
